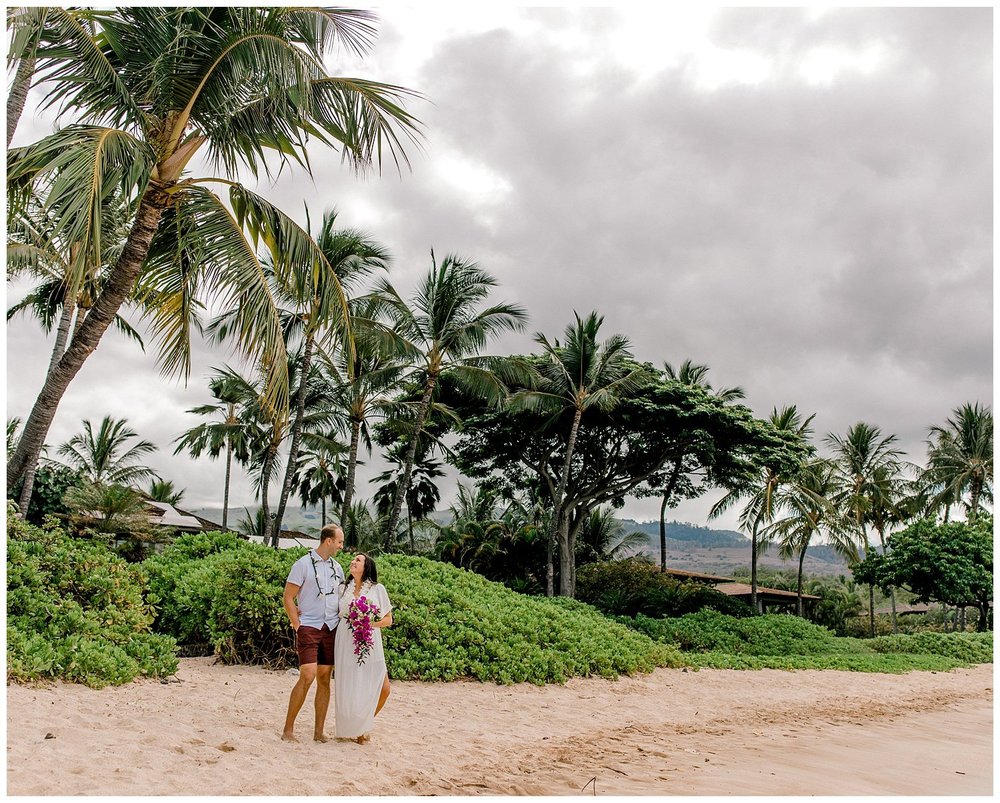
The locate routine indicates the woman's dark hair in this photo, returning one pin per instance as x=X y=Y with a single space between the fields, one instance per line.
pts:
x=370 y=572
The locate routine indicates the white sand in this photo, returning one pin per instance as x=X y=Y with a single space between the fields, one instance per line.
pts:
x=214 y=730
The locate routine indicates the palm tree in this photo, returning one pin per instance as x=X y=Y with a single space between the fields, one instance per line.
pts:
x=760 y=491
x=319 y=306
x=421 y=494
x=152 y=88
x=578 y=375
x=28 y=27
x=602 y=537
x=868 y=475
x=806 y=498
x=106 y=457
x=960 y=459
x=317 y=476
x=227 y=434
x=443 y=329
x=164 y=491
x=693 y=375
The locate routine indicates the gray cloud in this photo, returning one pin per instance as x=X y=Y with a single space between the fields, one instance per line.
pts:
x=826 y=244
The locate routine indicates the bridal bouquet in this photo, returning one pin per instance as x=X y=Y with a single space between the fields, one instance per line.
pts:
x=361 y=615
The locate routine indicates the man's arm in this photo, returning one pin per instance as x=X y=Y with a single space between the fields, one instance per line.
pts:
x=288 y=600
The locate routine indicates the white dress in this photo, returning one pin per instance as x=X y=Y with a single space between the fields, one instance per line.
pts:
x=357 y=688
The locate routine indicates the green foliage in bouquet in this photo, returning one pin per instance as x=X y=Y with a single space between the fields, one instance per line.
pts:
x=75 y=611
x=631 y=587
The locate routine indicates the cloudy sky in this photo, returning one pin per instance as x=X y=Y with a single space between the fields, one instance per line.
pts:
x=800 y=199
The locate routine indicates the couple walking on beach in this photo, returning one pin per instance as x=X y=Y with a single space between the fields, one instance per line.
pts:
x=338 y=622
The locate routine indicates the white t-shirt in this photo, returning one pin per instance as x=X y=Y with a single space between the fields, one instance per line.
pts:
x=320 y=582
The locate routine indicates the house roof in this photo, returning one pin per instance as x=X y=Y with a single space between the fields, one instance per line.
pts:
x=165 y=515
x=743 y=589
x=681 y=574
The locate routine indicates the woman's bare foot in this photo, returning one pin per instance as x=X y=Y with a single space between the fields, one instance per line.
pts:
x=363 y=739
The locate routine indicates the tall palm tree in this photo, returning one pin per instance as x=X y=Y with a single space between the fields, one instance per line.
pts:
x=109 y=456
x=421 y=494
x=806 y=499
x=960 y=459
x=151 y=89
x=577 y=375
x=319 y=306
x=443 y=329
x=27 y=27
x=760 y=492
x=318 y=478
x=693 y=375
x=228 y=433
x=870 y=487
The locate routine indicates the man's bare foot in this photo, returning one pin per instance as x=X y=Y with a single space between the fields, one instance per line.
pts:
x=363 y=739
x=288 y=737
x=321 y=738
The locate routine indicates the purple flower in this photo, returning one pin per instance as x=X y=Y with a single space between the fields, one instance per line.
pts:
x=361 y=616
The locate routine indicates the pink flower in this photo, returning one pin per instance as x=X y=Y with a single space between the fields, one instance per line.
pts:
x=361 y=616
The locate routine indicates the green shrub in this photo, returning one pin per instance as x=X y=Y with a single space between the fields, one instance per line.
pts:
x=973 y=648
x=631 y=587
x=75 y=611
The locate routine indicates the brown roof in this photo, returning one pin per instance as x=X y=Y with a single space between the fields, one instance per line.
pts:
x=900 y=608
x=680 y=574
x=741 y=589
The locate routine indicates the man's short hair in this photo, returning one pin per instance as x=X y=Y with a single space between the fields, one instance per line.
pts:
x=329 y=531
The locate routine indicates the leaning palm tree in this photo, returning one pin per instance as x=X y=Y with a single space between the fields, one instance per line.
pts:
x=577 y=375
x=110 y=454
x=693 y=375
x=960 y=459
x=806 y=501
x=228 y=433
x=760 y=491
x=27 y=28
x=152 y=88
x=442 y=330
x=870 y=488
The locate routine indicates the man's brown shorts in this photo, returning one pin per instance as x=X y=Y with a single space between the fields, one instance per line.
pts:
x=315 y=646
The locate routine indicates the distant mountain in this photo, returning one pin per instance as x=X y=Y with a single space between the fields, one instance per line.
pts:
x=683 y=531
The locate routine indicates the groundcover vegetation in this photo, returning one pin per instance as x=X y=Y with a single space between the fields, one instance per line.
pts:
x=79 y=612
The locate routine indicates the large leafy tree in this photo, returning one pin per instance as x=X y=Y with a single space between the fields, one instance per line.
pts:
x=870 y=488
x=110 y=454
x=677 y=486
x=960 y=460
x=443 y=329
x=758 y=488
x=950 y=562
x=149 y=90
x=577 y=375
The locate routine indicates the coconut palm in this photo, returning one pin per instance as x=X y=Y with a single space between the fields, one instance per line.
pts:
x=319 y=306
x=228 y=433
x=870 y=488
x=602 y=537
x=806 y=501
x=421 y=494
x=317 y=476
x=693 y=375
x=164 y=491
x=110 y=455
x=960 y=459
x=442 y=330
x=760 y=491
x=151 y=89
x=578 y=375
x=27 y=27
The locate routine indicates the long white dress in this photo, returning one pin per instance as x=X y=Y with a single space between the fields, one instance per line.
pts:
x=357 y=687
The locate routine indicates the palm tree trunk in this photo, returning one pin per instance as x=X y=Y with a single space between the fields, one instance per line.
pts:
x=352 y=464
x=62 y=333
x=753 y=568
x=293 y=449
x=892 y=591
x=667 y=493
x=411 y=456
x=977 y=489
x=121 y=282
x=871 y=609
x=322 y=503
x=19 y=94
x=409 y=527
x=265 y=481
x=225 y=492
x=798 y=591
x=549 y=563
x=565 y=582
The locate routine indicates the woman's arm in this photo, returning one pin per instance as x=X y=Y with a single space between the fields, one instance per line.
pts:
x=385 y=621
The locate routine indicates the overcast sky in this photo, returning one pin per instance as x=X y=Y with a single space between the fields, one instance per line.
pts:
x=801 y=200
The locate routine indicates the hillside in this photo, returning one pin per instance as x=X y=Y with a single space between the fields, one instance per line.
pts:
x=689 y=546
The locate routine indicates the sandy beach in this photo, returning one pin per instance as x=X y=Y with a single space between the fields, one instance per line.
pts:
x=214 y=730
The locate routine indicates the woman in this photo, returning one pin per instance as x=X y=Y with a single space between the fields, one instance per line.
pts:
x=362 y=687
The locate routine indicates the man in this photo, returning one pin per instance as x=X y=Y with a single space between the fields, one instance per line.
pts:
x=316 y=580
